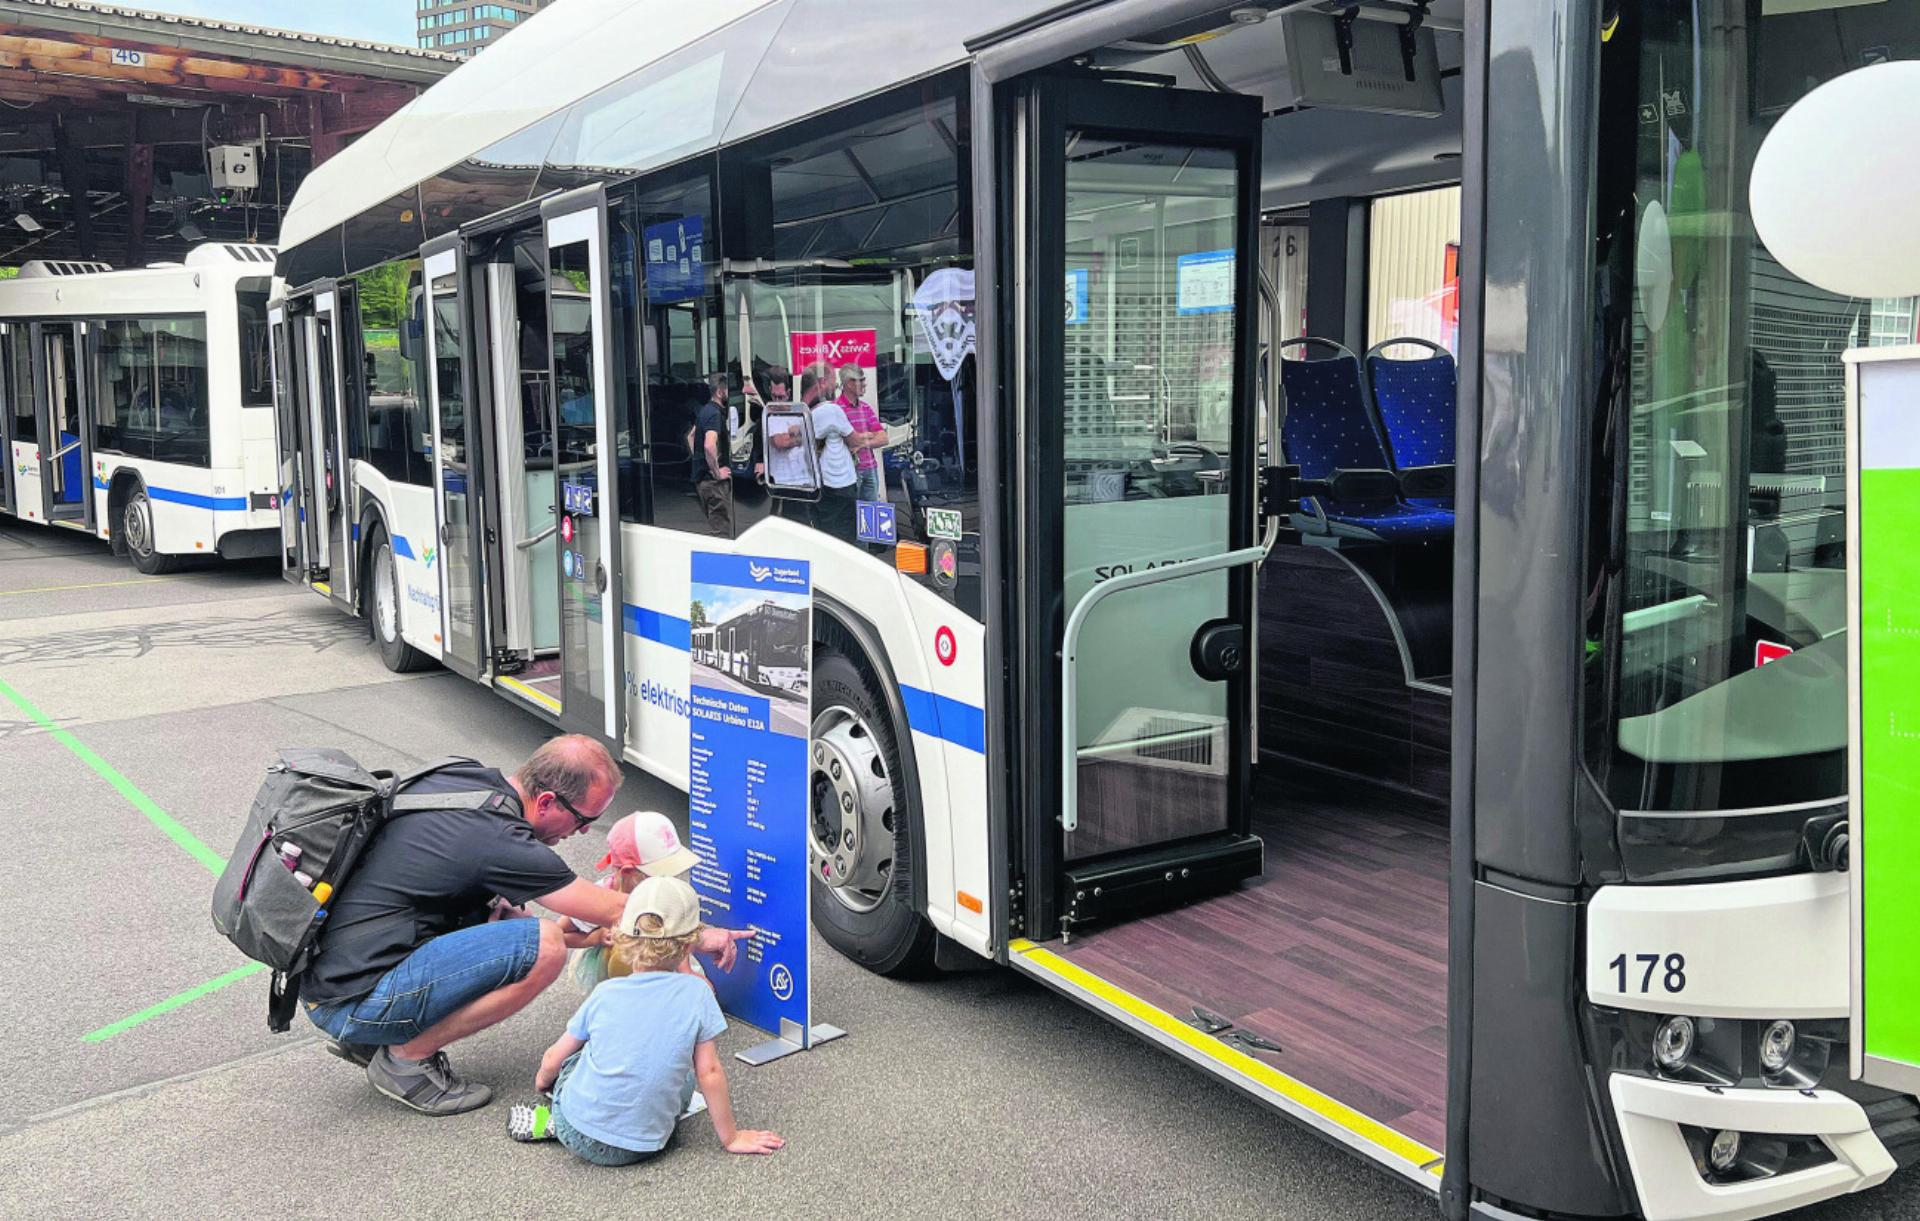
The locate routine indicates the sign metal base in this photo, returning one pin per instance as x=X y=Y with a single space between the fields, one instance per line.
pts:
x=792 y=1038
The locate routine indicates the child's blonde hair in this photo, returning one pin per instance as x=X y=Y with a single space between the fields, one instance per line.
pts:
x=649 y=951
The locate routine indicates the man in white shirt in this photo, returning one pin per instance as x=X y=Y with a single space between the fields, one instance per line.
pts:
x=834 y=433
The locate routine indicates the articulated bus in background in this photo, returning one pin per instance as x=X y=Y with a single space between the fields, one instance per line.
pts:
x=1367 y=606
x=137 y=404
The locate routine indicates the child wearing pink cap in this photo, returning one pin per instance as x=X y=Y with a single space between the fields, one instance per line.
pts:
x=642 y=845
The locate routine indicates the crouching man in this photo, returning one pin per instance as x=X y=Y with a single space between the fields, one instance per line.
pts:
x=409 y=960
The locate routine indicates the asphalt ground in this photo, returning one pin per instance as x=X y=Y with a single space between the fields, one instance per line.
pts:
x=136 y=716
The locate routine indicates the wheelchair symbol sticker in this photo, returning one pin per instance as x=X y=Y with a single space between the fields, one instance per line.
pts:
x=781 y=981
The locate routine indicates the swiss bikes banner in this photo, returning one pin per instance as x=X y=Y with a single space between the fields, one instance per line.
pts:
x=749 y=681
x=835 y=350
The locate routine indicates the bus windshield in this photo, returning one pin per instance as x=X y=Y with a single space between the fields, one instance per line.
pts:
x=1719 y=596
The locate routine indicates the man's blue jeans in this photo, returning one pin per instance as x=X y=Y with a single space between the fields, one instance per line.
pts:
x=443 y=976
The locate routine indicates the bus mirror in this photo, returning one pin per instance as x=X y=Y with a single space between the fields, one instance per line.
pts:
x=1833 y=184
x=793 y=462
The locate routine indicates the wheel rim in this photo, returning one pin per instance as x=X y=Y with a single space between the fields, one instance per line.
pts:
x=137 y=525
x=386 y=607
x=850 y=827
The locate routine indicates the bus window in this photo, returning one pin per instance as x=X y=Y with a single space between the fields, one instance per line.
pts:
x=1717 y=643
x=849 y=269
x=392 y=311
x=1413 y=268
x=24 y=426
x=674 y=333
x=152 y=398
x=256 y=362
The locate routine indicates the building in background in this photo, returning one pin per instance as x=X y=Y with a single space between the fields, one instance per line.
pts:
x=459 y=27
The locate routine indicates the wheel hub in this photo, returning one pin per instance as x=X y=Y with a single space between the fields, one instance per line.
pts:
x=385 y=608
x=850 y=830
x=134 y=526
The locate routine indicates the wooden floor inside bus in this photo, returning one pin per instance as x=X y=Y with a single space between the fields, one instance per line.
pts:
x=1337 y=953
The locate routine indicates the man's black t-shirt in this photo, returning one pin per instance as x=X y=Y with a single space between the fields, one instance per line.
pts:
x=440 y=868
x=712 y=418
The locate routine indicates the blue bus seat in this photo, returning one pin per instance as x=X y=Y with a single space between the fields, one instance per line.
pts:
x=1329 y=428
x=1415 y=403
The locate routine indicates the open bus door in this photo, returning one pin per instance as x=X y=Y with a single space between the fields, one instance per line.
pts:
x=457 y=456
x=327 y=497
x=289 y=399
x=8 y=494
x=61 y=393
x=585 y=448
x=1139 y=405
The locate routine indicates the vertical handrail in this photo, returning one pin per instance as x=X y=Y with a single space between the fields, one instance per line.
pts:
x=1070 y=659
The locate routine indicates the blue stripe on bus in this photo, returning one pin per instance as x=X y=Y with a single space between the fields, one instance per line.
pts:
x=673 y=632
x=401 y=547
x=937 y=716
x=356 y=526
x=219 y=504
x=946 y=718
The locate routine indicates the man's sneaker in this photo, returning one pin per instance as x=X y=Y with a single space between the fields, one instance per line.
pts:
x=428 y=1086
x=357 y=1054
x=695 y=1105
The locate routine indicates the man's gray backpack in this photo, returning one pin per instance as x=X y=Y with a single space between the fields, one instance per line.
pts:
x=312 y=820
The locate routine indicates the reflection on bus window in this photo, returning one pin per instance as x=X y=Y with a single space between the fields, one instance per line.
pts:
x=1721 y=412
x=1149 y=320
x=151 y=401
x=398 y=434
x=1413 y=268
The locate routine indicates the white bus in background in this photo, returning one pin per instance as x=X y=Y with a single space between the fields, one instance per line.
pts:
x=138 y=404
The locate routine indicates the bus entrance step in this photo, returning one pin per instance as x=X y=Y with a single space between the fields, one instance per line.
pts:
x=1145 y=879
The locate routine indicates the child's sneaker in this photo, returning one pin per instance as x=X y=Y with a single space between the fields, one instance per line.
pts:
x=695 y=1105
x=535 y=1122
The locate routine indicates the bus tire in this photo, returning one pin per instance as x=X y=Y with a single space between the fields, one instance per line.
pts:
x=383 y=606
x=136 y=532
x=860 y=850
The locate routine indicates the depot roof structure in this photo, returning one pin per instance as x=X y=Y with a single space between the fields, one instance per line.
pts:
x=108 y=116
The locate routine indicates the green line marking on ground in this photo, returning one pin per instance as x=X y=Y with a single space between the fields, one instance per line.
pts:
x=125 y=787
x=174 y=1002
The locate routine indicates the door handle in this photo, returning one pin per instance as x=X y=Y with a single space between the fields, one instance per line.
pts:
x=1219 y=650
x=600 y=575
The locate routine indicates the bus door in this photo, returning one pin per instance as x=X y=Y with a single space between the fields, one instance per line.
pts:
x=584 y=420
x=456 y=463
x=65 y=422
x=1138 y=402
x=329 y=458
x=8 y=493
x=289 y=398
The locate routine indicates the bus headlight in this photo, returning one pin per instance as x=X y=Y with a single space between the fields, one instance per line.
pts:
x=1776 y=1046
x=1673 y=1043
x=1723 y=1154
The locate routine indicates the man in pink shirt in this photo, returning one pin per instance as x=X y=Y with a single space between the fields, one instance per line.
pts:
x=872 y=434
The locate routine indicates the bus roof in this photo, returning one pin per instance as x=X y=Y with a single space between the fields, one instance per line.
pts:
x=626 y=85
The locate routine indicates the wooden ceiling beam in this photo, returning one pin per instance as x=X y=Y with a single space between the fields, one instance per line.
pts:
x=160 y=65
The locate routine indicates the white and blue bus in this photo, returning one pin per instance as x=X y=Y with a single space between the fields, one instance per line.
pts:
x=1366 y=605
x=138 y=404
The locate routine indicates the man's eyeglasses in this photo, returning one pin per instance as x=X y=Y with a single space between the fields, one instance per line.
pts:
x=580 y=821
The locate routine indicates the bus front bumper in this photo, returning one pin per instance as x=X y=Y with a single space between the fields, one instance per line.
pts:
x=1653 y=1115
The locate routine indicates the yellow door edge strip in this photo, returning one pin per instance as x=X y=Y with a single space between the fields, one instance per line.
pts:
x=322 y=587
x=519 y=688
x=1330 y=1109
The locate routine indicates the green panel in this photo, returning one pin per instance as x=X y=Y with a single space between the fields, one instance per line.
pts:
x=1889 y=563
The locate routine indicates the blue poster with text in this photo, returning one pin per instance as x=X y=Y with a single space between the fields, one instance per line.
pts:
x=748 y=687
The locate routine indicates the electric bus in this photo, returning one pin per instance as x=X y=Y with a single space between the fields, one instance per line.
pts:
x=1359 y=601
x=138 y=404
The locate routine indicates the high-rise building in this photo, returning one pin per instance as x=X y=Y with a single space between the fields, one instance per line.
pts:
x=460 y=27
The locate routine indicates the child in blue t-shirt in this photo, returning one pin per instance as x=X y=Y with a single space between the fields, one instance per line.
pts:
x=619 y=1077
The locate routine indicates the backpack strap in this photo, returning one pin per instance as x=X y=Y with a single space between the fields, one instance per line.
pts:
x=441 y=764
x=473 y=799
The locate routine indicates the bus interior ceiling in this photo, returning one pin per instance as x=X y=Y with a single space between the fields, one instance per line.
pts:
x=1331 y=965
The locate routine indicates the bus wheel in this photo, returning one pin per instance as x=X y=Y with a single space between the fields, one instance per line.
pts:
x=136 y=530
x=384 y=609
x=859 y=850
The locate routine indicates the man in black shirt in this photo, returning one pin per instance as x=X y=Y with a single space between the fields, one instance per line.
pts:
x=712 y=451
x=410 y=959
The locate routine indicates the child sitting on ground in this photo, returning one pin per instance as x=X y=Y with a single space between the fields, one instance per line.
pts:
x=619 y=1077
x=641 y=845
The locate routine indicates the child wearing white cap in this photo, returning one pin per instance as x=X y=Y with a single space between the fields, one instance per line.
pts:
x=620 y=1076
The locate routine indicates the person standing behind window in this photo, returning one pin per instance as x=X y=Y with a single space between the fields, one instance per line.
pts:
x=870 y=434
x=711 y=450
x=833 y=432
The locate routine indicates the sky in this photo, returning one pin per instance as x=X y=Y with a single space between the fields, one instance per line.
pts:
x=374 y=20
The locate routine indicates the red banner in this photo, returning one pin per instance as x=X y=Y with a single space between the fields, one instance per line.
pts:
x=836 y=348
